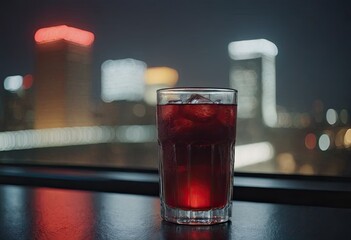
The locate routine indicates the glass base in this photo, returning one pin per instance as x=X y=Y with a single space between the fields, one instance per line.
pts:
x=191 y=217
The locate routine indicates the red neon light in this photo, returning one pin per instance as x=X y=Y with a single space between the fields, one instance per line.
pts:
x=64 y=32
x=27 y=81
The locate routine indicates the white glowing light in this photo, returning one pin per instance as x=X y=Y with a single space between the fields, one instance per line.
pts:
x=253 y=153
x=249 y=49
x=331 y=116
x=266 y=50
x=268 y=104
x=55 y=137
x=13 y=83
x=135 y=133
x=122 y=80
x=324 y=142
x=247 y=81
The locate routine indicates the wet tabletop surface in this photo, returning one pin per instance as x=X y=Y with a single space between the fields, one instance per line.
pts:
x=47 y=213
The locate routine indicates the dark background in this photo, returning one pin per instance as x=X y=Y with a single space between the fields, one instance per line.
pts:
x=313 y=39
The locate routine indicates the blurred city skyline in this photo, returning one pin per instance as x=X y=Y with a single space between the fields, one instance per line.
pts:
x=298 y=118
x=193 y=37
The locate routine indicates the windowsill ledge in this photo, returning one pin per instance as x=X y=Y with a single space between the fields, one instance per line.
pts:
x=273 y=188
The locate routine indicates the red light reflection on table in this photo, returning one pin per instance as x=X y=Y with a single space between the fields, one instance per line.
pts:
x=64 y=32
x=62 y=214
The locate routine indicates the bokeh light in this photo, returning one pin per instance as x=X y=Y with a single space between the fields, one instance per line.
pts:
x=324 y=142
x=286 y=162
x=344 y=116
x=339 y=138
x=139 y=110
x=13 y=83
x=347 y=138
x=310 y=141
x=161 y=75
x=306 y=169
x=331 y=116
x=27 y=81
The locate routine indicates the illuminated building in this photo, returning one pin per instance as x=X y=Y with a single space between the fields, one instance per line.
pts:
x=253 y=75
x=122 y=79
x=17 y=103
x=63 y=77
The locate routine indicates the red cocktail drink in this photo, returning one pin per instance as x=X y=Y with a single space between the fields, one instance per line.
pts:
x=196 y=142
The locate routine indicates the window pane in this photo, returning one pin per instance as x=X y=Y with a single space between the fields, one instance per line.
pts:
x=79 y=79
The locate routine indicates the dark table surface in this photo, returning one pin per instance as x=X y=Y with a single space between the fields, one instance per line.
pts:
x=48 y=213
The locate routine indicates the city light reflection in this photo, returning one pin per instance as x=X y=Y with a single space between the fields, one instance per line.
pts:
x=63 y=214
x=13 y=197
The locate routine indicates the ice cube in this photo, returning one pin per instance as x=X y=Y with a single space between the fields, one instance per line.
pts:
x=175 y=101
x=226 y=116
x=182 y=125
x=168 y=112
x=200 y=112
x=197 y=98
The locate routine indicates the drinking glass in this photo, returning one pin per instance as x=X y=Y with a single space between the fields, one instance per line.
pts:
x=196 y=135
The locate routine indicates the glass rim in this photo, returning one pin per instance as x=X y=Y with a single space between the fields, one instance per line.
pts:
x=196 y=89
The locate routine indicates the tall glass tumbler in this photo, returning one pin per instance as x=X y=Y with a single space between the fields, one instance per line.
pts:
x=196 y=136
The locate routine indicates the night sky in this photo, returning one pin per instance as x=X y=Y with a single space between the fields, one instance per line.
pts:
x=313 y=39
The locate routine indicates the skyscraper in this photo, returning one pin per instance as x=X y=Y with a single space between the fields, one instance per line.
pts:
x=63 y=77
x=253 y=74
